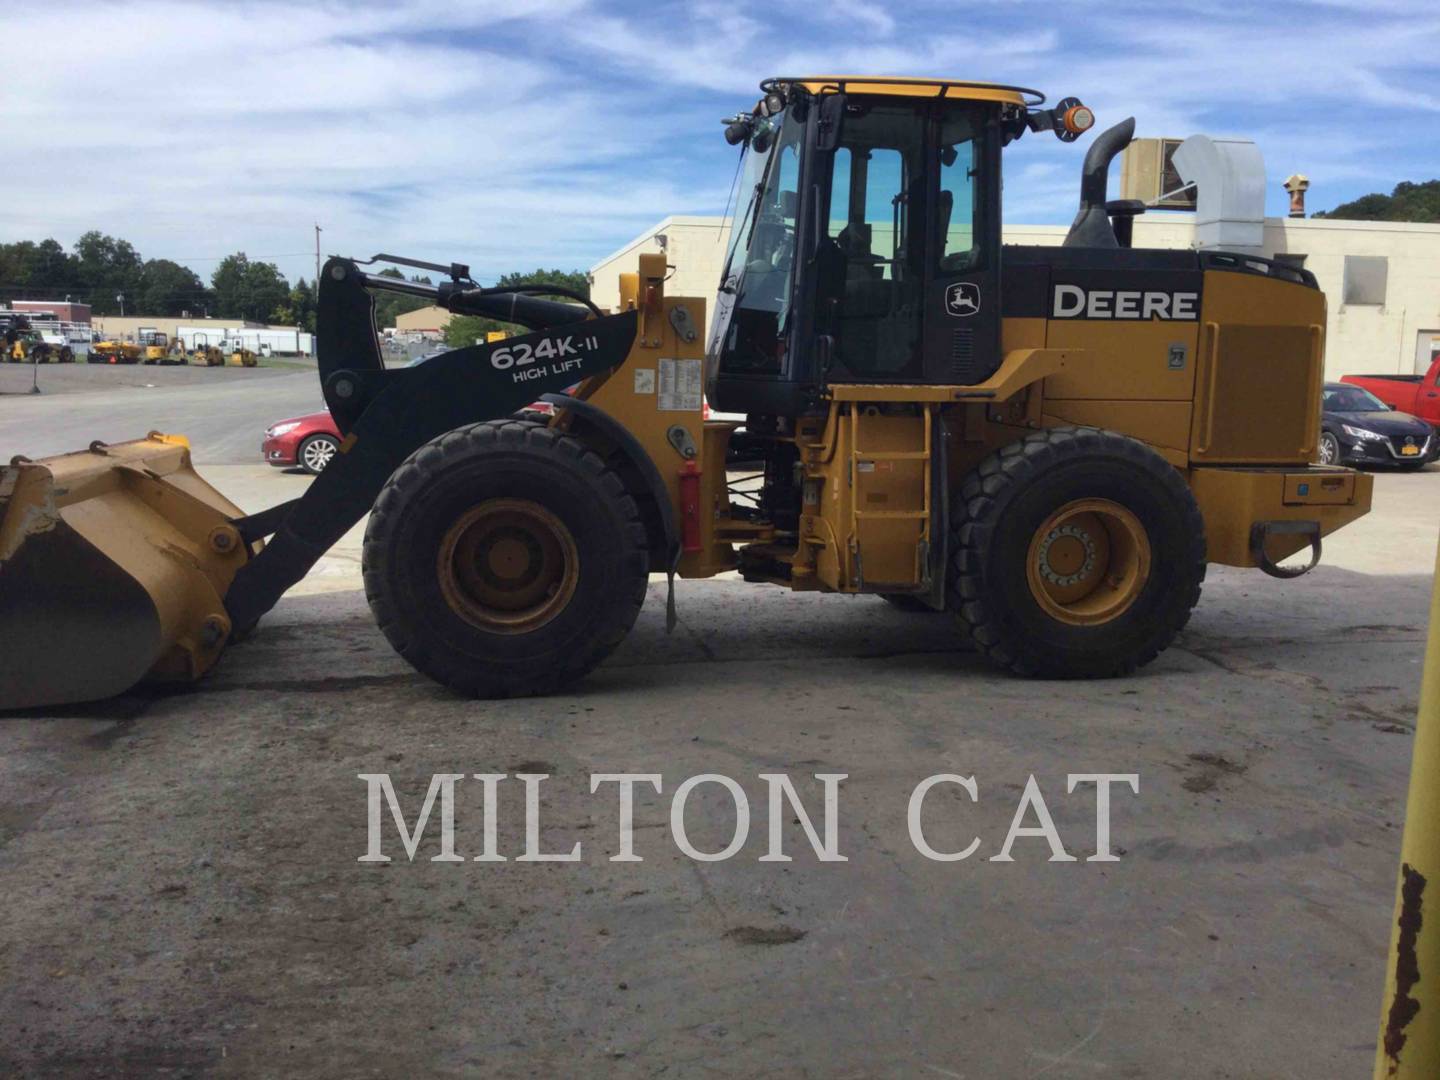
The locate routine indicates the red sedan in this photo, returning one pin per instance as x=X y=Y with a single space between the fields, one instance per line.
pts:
x=307 y=441
x=310 y=441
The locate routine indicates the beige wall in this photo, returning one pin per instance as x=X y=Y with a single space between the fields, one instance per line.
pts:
x=694 y=246
x=433 y=319
x=1390 y=338
x=1380 y=339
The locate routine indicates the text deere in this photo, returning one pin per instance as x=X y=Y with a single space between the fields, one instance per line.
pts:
x=1074 y=302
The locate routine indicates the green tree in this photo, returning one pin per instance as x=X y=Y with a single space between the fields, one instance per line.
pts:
x=298 y=309
x=248 y=290
x=1408 y=202
x=167 y=288
x=107 y=268
x=388 y=305
x=467 y=329
x=31 y=271
x=303 y=298
x=576 y=280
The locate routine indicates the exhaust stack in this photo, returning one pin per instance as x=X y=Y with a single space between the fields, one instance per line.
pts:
x=1092 y=227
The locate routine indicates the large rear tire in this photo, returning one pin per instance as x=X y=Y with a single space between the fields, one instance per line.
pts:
x=505 y=559
x=1076 y=553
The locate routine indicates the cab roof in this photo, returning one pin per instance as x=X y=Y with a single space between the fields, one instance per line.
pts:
x=893 y=85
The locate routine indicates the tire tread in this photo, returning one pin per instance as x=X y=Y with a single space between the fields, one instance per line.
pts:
x=409 y=481
x=987 y=492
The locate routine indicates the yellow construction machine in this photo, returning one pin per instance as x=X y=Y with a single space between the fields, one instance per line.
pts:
x=1050 y=443
x=115 y=351
x=155 y=348
x=206 y=354
x=23 y=344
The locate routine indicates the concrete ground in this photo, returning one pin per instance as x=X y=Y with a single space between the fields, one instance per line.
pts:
x=183 y=896
x=21 y=379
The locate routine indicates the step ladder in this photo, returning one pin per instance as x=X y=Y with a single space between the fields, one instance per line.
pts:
x=895 y=542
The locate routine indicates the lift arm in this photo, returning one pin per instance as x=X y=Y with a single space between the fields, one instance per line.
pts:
x=386 y=415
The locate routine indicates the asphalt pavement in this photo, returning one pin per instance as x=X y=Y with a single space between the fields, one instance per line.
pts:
x=222 y=411
x=185 y=896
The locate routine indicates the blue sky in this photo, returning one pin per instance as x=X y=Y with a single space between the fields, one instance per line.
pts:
x=512 y=135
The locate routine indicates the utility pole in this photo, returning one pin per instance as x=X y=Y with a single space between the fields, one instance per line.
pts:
x=317 y=255
x=121 y=297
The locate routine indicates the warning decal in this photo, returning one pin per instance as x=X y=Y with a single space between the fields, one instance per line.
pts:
x=680 y=386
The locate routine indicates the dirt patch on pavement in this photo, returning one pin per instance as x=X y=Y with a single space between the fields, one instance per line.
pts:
x=764 y=935
x=1208 y=770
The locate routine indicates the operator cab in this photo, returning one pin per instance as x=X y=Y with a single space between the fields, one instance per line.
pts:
x=866 y=246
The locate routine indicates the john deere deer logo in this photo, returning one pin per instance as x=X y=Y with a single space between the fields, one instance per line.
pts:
x=962 y=299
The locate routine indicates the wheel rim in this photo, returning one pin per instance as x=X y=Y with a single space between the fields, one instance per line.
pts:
x=1327 y=450
x=508 y=566
x=1088 y=562
x=318 y=453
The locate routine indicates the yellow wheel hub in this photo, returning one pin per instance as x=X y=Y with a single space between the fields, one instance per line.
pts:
x=508 y=566
x=1088 y=562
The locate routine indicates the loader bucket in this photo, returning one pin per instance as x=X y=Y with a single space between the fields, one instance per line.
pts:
x=113 y=565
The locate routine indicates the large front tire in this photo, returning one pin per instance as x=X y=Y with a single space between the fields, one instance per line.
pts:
x=505 y=559
x=1076 y=553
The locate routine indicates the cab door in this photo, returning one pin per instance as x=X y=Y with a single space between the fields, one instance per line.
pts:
x=870 y=291
x=962 y=308
x=908 y=260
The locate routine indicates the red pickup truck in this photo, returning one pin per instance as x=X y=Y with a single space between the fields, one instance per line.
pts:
x=1418 y=395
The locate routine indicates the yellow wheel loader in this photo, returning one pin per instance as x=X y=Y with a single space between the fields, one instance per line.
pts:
x=1048 y=443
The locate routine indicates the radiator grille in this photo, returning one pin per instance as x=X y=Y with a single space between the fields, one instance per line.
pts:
x=962 y=357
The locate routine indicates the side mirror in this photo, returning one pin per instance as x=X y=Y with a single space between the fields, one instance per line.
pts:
x=831 y=122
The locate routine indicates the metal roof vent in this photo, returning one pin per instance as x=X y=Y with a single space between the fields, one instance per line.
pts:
x=1229 y=179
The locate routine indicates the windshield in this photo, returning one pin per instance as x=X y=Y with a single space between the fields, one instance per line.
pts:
x=761 y=258
x=1352 y=399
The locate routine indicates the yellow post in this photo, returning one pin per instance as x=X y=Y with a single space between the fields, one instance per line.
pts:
x=1409 y=1046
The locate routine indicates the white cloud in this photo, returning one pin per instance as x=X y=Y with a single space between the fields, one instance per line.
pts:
x=512 y=134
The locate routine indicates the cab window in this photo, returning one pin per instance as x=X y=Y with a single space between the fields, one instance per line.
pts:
x=873 y=295
x=955 y=213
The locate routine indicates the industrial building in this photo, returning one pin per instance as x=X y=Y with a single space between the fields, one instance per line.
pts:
x=65 y=311
x=429 y=321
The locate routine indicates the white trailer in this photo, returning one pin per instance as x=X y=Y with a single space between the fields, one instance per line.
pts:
x=261 y=341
